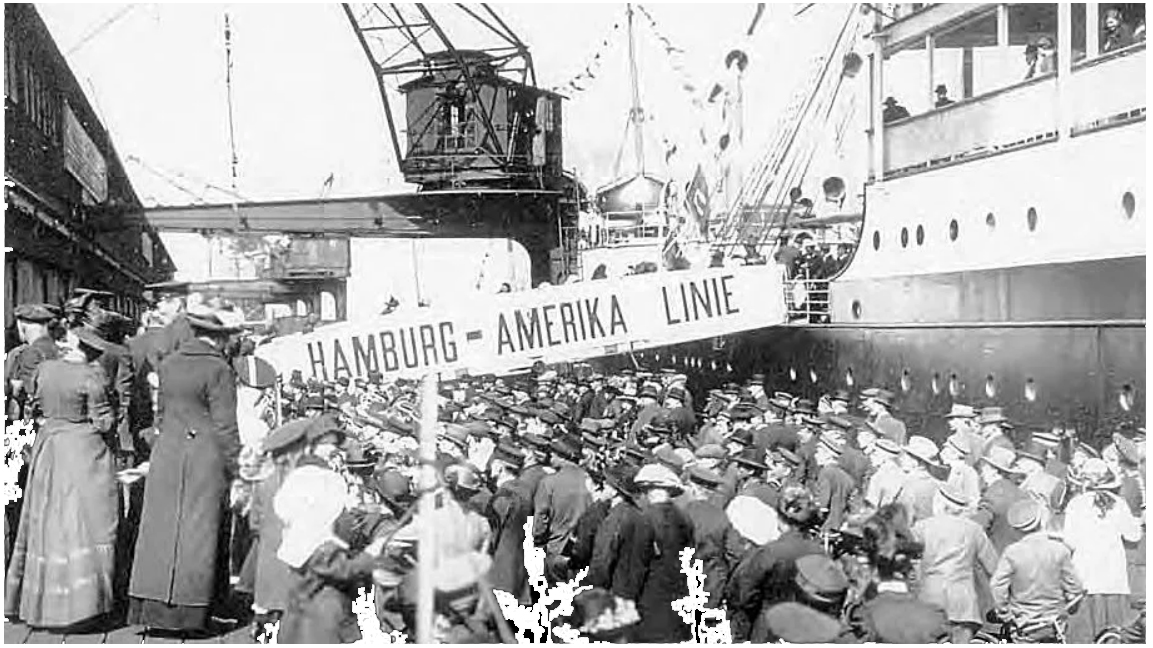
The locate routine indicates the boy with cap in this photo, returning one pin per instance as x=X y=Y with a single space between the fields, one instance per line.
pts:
x=1035 y=583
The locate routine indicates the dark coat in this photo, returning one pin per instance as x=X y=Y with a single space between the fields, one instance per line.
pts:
x=992 y=513
x=146 y=350
x=711 y=538
x=765 y=578
x=24 y=361
x=117 y=364
x=683 y=421
x=507 y=512
x=585 y=534
x=320 y=606
x=622 y=551
x=560 y=500
x=664 y=582
x=186 y=491
x=776 y=435
x=834 y=487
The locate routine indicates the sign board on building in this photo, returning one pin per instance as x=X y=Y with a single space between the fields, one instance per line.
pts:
x=500 y=333
x=83 y=159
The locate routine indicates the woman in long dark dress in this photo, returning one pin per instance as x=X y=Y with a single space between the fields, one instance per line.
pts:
x=63 y=559
x=179 y=568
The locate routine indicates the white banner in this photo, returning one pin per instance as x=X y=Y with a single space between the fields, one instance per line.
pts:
x=509 y=331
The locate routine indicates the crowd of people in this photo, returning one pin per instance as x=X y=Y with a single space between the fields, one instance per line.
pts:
x=164 y=485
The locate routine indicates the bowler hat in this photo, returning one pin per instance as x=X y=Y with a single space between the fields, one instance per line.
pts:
x=992 y=416
x=650 y=390
x=678 y=393
x=753 y=458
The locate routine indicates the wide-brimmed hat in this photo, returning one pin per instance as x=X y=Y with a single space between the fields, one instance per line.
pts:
x=923 y=449
x=1002 y=459
x=753 y=519
x=91 y=338
x=953 y=494
x=678 y=393
x=888 y=446
x=993 y=416
x=208 y=321
x=961 y=411
x=658 y=475
x=650 y=390
x=1025 y=514
x=1095 y=474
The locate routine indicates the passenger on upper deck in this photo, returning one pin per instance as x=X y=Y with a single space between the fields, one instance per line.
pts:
x=893 y=111
x=1117 y=33
x=1040 y=57
x=942 y=96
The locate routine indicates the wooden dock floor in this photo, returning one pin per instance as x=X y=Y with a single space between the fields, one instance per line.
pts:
x=18 y=633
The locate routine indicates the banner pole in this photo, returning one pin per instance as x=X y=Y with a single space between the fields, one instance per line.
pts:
x=426 y=556
x=279 y=413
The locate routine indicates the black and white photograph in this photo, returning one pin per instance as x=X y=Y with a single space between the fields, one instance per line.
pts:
x=465 y=323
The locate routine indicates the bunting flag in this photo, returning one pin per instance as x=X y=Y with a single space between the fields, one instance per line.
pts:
x=592 y=68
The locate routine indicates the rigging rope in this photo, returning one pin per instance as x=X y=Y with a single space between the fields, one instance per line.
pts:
x=228 y=85
x=99 y=29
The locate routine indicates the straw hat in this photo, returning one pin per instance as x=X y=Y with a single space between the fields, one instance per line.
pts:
x=923 y=449
x=1002 y=459
x=654 y=476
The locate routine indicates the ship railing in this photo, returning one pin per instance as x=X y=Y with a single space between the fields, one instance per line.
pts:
x=807 y=300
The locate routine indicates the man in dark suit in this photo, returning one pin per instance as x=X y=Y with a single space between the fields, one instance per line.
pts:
x=507 y=512
x=996 y=470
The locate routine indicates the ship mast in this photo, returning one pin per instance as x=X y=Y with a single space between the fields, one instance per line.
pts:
x=636 y=113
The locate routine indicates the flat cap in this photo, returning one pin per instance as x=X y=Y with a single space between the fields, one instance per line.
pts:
x=37 y=313
x=821 y=578
x=711 y=451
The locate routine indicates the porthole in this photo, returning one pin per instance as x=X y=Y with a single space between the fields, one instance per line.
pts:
x=906 y=381
x=1030 y=390
x=954 y=386
x=1126 y=397
x=990 y=221
x=990 y=386
x=876 y=240
x=856 y=309
x=849 y=377
x=1031 y=219
x=792 y=374
x=904 y=237
x=920 y=235
x=954 y=229
x=1129 y=204
x=935 y=384
x=812 y=376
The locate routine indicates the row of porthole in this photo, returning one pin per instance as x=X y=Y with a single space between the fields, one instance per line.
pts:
x=1126 y=397
x=1128 y=206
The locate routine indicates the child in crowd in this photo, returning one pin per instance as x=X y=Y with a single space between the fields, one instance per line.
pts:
x=319 y=608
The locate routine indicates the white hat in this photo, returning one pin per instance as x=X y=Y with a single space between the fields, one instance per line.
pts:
x=658 y=476
x=308 y=503
x=753 y=519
